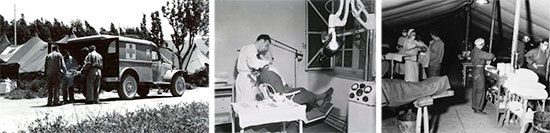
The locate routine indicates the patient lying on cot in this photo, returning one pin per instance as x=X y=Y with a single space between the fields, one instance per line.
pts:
x=398 y=92
x=303 y=97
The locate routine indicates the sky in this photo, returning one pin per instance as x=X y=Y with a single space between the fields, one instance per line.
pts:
x=98 y=13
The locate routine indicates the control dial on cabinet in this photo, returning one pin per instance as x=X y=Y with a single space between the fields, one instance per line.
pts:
x=355 y=86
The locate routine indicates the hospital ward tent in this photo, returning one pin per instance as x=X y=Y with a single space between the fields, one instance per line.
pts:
x=65 y=39
x=31 y=55
x=196 y=61
x=533 y=20
x=4 y=42
x=197 y=58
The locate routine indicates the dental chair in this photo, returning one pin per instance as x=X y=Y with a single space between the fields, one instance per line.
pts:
x=270 y=94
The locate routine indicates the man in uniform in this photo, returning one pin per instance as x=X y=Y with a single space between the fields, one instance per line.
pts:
x=55 y=69
x=437 y=50
x=247 y=62
x=68 y=87
x=92 y=65
x=536 y=59
x=479 y=58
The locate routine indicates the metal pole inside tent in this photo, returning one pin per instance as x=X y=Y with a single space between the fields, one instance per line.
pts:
x=547 y=63
x=491 y=37
x=516 y=32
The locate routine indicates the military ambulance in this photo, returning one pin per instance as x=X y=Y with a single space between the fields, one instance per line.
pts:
x=132 y=66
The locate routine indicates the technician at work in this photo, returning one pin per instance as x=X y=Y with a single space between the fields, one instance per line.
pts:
x=246 y=63
x=479 y=57
x=536 y=59
x=92 y=65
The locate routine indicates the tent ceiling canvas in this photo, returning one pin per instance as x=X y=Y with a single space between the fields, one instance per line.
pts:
x=397 y=13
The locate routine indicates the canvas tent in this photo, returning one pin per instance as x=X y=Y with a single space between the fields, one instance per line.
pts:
x=198 y=56
x=534 y=20
x=200 y=44
x=196 y=62
x=65 y=39
x=31 y=55
x=4 y=42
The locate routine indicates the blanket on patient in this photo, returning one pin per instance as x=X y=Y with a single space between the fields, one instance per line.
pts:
x=398 y=92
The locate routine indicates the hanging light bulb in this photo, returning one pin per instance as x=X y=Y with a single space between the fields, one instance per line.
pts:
x=331 y=45
x=482 y=1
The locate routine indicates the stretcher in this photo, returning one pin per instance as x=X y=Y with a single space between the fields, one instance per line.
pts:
x=398 y=92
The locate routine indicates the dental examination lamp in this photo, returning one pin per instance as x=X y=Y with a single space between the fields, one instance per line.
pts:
x=331 y=45
x=298 y=56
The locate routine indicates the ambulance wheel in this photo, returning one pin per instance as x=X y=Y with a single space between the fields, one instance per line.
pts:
x=128 y=87
x=177 y=86
x=143 y=91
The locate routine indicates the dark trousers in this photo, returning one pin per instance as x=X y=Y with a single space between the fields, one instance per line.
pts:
x=53 y=88
x=478 y=94
x=304 y=97
x=433 y=70
x=68 y=93
x=93 y=81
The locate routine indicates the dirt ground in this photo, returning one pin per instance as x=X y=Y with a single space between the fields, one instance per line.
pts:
x=16 y=115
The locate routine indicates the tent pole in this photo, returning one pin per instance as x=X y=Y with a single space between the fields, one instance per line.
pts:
x=492 y=27
x=516 y=32
x=469 y=9
x=14 y=25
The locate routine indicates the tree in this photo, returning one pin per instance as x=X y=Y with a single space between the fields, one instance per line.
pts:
x=77 y=28
x=156 y=29
x=4 y=25
x=89 y=30
x=59 y=30
x=188 y=18
x=23 y=31
x=113 y=30
x=132 y=32
x=143 y=32
x=103 y=31
x=122 y=33
x=38 y=27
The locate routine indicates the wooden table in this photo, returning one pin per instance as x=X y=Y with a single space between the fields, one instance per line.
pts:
x=392 y=57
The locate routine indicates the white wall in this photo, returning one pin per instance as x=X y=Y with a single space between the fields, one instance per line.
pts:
x=239 y=22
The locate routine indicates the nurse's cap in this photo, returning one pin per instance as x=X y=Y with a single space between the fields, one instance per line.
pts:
x=479 y=41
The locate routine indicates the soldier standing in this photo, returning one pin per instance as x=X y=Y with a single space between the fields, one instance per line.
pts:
x=55 y=69
x=479 y=58
x=92 y=65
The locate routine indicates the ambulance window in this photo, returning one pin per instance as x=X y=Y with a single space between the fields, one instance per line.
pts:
x=154 y=54
x=112 y=48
